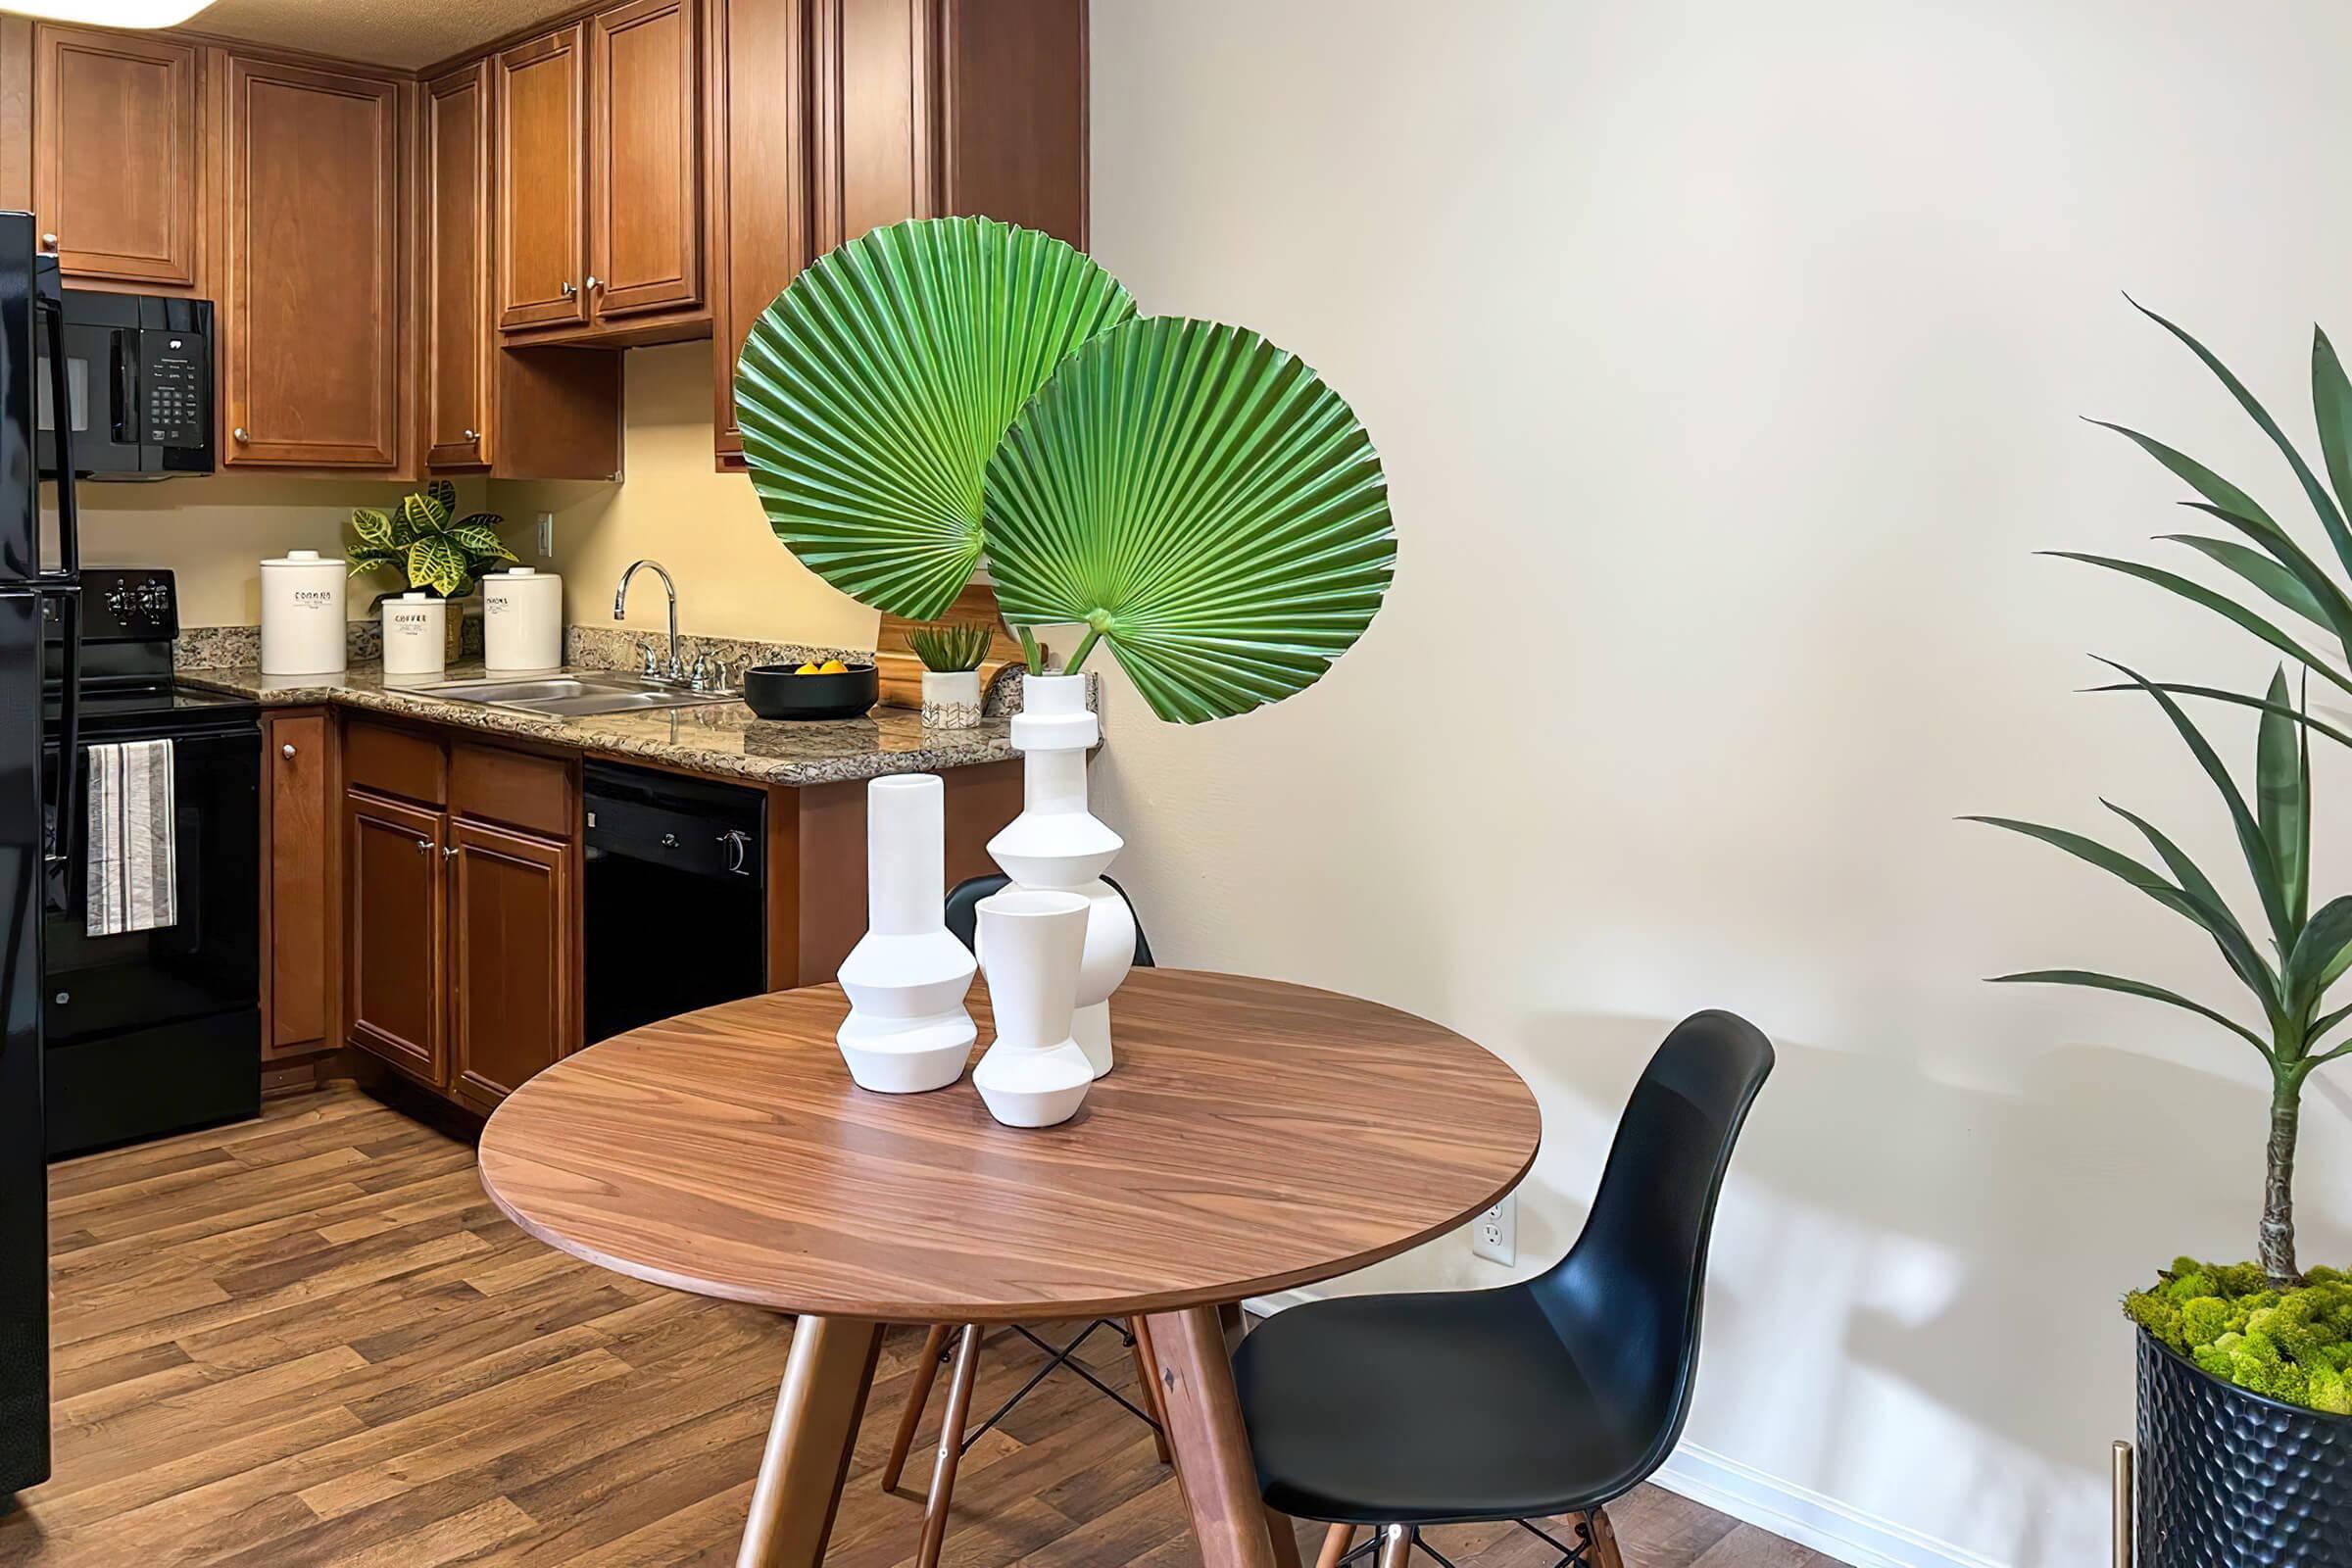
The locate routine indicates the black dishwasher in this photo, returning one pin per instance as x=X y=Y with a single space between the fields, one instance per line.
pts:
x=676 y=902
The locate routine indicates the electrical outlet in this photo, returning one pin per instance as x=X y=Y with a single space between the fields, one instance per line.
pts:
x=1494 y=1234
x=547 y=534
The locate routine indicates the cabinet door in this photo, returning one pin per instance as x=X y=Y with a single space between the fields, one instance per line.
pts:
x=299 y=956
x=512 y=979
x=542 y=170
x=117 y=160
x=457 y=328
x=395 y=922
x=644 y=182
x=761 y=227
x=312 y=342
x=876 y=79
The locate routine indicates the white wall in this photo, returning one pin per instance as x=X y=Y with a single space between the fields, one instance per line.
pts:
x=1726 y=362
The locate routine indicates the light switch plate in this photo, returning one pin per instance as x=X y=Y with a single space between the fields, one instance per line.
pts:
x=547 y=534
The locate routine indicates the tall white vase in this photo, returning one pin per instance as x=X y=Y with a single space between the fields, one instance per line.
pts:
x=1033 y=1074
x=1057 y=845
x=906 y=1031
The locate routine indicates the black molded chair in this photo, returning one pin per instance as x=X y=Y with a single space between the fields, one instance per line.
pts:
x=1554 y=1395
x=962 y=917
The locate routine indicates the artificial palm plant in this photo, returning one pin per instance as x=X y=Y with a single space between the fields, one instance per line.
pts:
x=1195 y=497
x=2262 y=555
x=2288 y=975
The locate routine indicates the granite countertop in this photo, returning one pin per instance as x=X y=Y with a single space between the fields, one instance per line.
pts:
x=721 y=738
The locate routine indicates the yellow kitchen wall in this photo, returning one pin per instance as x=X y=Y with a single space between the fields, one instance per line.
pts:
x=734 y=579
x=214 y=533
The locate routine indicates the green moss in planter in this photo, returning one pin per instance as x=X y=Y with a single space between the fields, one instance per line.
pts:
x=2295 y=1347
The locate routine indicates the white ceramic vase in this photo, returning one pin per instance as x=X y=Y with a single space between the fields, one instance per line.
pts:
x=951 y=698
x=1033 y=1074
x=906 y=1031
x=1057 y=845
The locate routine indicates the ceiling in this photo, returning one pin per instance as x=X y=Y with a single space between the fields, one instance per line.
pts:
x=384 y=32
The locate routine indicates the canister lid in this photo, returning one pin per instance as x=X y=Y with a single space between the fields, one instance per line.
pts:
x=304 y=557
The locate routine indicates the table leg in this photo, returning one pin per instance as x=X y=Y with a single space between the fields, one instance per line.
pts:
x=826 y=1378
x=1212 y=1447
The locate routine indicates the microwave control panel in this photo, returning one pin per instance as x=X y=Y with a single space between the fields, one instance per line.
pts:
x=176 y=389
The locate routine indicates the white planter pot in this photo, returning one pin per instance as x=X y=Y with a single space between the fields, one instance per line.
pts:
x=1033 y=1075
x=951 y=698
x=906 y=1031
x=415 y=636
x=1057 y=845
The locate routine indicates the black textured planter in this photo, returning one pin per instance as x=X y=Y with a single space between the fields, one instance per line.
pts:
x=2228 y=1479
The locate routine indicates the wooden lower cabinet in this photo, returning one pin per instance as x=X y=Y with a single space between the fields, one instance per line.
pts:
x=397 y=899
x=511 y=982
x=299 y=913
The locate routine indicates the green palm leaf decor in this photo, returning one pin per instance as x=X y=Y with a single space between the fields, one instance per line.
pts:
x=1203 y=503
x=872 y=392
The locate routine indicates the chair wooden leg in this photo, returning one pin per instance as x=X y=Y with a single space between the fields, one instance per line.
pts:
x=1336 y=1542
x=1146 y=1376
x=951 y=1447
x=1285 y=1530
x=1604 y=1553
x=1395 y=1546
x=926 y=1372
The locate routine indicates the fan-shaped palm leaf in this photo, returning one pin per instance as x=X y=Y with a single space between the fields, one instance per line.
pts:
x=1200 y=498
x=871 y=393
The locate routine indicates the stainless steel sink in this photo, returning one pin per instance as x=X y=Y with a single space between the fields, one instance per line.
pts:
x=572 y=696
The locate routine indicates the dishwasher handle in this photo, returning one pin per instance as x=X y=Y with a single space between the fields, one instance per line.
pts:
x=688 y=842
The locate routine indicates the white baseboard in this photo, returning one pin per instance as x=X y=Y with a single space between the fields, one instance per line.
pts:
x=1806 y=1517
x=1749 y=1496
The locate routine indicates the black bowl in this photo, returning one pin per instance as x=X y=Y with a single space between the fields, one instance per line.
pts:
x=773 y=691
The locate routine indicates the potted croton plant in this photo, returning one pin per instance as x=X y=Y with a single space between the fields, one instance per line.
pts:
x=947 y=391
x=437 y=556
x=2244 y=1453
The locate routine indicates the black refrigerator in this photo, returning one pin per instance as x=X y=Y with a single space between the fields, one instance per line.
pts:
x=39 y=582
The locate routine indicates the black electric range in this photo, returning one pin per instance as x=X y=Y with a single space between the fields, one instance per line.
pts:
x=154 y=1032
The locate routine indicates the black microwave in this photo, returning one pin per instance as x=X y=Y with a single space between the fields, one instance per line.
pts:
x=139 y=381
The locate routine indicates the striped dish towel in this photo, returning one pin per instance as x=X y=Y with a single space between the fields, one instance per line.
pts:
x=134 y=853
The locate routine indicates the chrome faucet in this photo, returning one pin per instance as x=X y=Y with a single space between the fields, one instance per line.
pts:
x=676 y=674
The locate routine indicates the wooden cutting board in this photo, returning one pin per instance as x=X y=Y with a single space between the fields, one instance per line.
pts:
x=902 y=674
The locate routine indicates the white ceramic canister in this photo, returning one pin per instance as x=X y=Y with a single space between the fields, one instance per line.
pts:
x=416 y=635
x=302 y=614
x=522 y=620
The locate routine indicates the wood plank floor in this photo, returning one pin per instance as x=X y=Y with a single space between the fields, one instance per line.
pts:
x=310 y=1338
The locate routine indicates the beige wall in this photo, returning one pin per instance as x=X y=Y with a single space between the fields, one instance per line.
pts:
x=214 y=533
x=1726 y=362
x=734 y=579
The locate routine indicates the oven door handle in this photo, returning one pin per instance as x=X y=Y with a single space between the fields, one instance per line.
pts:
x=71 y=818
x=49 y=303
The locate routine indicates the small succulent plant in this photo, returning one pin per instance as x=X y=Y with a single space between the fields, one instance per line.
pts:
x=947 y=646
x=426 y=543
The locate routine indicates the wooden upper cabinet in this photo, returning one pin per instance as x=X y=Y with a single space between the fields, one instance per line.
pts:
x=645 y=184
x=877 y=76
x=312 y=342
x=761 y=234
x=119 y=166
x=456 y=261
x=541 y=177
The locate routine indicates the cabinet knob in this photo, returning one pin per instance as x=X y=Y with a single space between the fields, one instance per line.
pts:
x=424 y=847
x=49 y=242
x=473 y=435
x=594 y=281
x=450 y=853
x=571 y=288
x=287 y=748
x=237 y=434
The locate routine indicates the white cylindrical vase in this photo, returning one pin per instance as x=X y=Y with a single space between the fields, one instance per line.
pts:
x=908 y=1031
x=1034 y=1073
x=951 y=698
x=303 y=632
x=415 y=636
x=1057 y=844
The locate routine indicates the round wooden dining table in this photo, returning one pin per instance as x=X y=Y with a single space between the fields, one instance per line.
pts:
x=1253 y=1136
